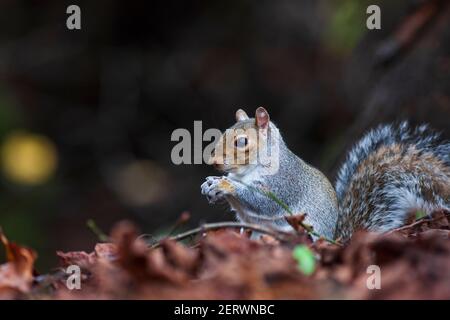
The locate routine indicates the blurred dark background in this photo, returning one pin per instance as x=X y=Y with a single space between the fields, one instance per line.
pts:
x=86 y=115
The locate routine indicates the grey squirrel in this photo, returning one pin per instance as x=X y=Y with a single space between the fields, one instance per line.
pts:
x=392 y=172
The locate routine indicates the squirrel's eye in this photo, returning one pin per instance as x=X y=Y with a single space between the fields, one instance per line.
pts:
x=241 y=142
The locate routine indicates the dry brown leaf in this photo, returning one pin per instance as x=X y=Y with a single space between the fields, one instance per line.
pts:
x=16 y=275
x=226 y=264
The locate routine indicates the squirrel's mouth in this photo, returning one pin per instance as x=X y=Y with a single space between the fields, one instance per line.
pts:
x=219 y=164
x=225 y=168
x=219 y=167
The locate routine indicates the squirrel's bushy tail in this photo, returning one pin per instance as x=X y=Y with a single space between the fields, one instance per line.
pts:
x=391 y=172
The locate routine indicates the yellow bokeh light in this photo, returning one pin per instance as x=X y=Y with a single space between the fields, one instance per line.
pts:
x=28 y=158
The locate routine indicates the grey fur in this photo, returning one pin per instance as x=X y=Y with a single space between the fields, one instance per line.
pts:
x=301 y=187
x=403 y=190
x=305 y=189
x=422 y=137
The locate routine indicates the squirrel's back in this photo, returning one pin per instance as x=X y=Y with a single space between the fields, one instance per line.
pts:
x=392 y=173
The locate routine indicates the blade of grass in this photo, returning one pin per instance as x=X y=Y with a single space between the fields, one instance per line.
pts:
x=97 y=231
x=277 y=200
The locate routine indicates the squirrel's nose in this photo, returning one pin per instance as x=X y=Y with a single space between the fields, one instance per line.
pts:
x=215 y=163
x=212 y=161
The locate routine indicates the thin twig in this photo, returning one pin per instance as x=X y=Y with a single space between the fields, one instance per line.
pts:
x=416 y=223
x=409 y=31
x=184 y=217
x=277 y=234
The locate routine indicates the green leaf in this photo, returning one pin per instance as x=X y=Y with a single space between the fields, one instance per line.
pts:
x=305 y=259
x=420 y=214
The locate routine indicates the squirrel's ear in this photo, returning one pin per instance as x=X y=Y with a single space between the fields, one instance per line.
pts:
x=262 y=118
x=241 y=115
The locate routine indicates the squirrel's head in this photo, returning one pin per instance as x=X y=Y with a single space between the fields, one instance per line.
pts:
x=247 y=144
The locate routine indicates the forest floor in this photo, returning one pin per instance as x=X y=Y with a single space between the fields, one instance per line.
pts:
x=409 y=262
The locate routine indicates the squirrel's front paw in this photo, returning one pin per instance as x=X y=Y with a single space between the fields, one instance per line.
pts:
x=216 y=188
